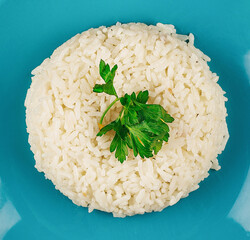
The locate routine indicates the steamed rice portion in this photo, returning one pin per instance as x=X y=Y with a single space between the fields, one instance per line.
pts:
x=62 y=113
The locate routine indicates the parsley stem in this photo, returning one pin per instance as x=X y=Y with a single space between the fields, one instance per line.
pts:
x=110 y=106
x=121 y=113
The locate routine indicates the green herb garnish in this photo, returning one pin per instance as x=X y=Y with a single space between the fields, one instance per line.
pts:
x=140 y=126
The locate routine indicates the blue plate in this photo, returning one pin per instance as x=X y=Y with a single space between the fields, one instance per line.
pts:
x=30 y=207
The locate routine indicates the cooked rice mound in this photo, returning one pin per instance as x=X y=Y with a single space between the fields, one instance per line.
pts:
x=62 y=113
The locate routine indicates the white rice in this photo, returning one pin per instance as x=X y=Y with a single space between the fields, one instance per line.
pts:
x=63 y=111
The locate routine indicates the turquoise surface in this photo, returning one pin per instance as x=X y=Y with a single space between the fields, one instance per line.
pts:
x=30 y=207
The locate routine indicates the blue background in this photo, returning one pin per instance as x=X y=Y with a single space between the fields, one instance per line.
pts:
x=30 y=207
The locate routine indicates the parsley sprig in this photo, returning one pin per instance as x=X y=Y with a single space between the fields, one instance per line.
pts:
x=139 y=126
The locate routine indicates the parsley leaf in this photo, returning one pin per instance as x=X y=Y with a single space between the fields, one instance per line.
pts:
x=141 y=141
x=140 y=126
x=119 y=145
x=108 y=77
x=142 y=97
